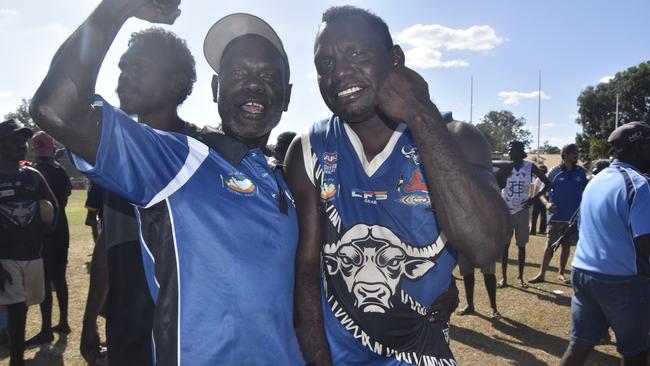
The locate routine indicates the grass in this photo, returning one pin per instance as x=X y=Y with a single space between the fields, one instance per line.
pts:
x=534 y=331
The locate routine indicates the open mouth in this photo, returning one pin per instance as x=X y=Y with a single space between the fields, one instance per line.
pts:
x=253 y=107
x=349 y=91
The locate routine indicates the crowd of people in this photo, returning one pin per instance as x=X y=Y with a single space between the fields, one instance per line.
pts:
x=337 y=250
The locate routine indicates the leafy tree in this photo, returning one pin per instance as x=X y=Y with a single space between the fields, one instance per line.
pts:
x=597 y=108
x=22 y=114
x=547 y=148
x=501 y=127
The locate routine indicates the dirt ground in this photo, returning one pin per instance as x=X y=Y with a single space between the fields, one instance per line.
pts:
x=534 y=330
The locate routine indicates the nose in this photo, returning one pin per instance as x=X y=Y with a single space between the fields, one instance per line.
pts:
x=254 y=85
x=342 y=69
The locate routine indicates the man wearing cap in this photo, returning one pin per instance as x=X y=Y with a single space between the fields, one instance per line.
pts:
x=388 y=191
x=568 y=181
x=222 y=272
x=611 y=271
x=515 y=180
x=27 y=212
x=55 y=252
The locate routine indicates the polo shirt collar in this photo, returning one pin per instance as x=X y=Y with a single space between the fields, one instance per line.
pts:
x=228 y=147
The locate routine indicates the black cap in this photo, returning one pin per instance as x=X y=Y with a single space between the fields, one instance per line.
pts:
x=11 y=127
x=629 y=133
x=516 y=145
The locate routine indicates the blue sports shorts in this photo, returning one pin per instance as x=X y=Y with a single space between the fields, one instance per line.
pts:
x=621 y=302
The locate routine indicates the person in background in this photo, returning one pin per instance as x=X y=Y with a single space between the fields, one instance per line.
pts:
x=611 y=268
x=567 y=181
x=28 y=211
x=539 y=210
x=55 y=251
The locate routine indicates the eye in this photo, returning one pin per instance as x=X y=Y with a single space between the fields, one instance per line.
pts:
x=324 y=66
x=357 y=54
x=237 y=73
x=268 y=75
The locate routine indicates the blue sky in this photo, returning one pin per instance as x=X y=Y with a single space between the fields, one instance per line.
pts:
x=503 y=44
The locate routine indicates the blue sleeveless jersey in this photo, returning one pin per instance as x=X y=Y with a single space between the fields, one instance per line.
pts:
x=385 y=260
x=218 y=244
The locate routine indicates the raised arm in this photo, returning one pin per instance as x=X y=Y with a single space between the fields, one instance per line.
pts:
x=308 y=311
x=62 y=104
x=469 y=209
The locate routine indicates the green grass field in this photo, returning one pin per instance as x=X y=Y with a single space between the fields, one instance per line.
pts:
x=534 y=331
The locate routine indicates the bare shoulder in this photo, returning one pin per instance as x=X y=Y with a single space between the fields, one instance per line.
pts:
x=475 y=147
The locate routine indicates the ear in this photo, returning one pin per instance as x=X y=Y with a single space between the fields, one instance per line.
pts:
x=397 y=56
x=179 y=82
x=287 y=97
x=215 y=88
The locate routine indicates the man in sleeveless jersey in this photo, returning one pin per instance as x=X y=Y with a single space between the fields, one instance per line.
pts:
x=218 y=226
x=611 y=267
x=515 y=180
x=117 y=277
x=568 y=181
x=388 y=191
x=27 y=213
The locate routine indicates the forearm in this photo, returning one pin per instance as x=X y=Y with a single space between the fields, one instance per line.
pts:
x=63 y=100
x=469 y=210
x=309 y=318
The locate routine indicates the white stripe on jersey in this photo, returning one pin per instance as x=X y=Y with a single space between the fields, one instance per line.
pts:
x=197 y=153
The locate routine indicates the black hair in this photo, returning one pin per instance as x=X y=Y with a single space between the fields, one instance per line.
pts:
x=180 y=58
x=568 y=148
x=282 y=144
x=376 y=23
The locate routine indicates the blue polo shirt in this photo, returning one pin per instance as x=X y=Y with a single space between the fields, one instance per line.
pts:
x=566 y=191
x=608 y=224
x=218 y=243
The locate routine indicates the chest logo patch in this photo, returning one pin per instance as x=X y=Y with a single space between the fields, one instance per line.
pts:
x=330 y=159
x=371 y=197
x=327 y=191
x=239 y=183
x=414 y=191
x=411 y=153
x=373 y=261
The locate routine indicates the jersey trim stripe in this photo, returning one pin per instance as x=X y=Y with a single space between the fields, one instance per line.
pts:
x=178 y=279
x=371 y=167
x=155 y=287
x=306 y=157
x=197 y=154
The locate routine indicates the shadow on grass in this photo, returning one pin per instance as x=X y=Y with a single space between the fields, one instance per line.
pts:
x=526 y=337
x=545 y=295
x=48 y=354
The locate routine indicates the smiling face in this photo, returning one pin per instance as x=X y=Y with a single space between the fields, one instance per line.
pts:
x=351 y=61
x=253 y=89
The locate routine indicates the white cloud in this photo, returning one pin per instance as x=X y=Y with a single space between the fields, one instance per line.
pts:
x=606 y=79
x=8 y=13
x=6 y=94
x=434 y=36
x=513 y=97
x=548 y=125
x=425 y=58
x=312 y=75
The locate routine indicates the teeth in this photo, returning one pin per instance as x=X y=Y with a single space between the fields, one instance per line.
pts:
x=254 y=104
x=348 y=91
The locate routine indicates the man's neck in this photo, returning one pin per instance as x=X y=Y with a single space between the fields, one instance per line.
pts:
x=374 y=134
x=518 y=163
x=568 y=166
x=164 y=120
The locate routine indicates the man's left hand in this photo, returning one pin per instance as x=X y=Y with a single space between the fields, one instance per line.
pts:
x=445 y=305
x=404 y=94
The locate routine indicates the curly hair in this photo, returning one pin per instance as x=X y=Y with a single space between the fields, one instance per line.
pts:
x=180 y=61
x=376 y=23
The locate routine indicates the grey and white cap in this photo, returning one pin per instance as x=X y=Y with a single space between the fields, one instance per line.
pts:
x=233 y=26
